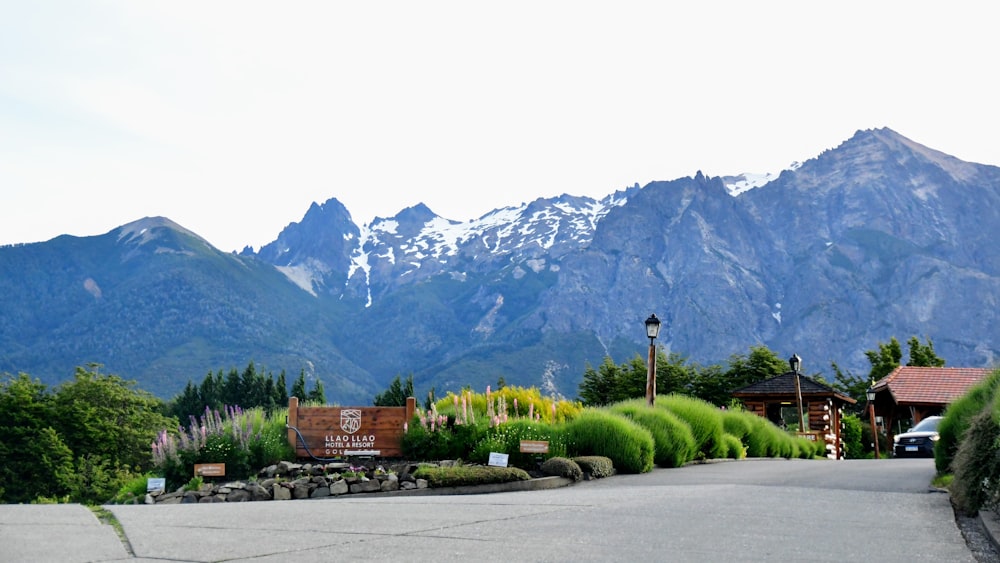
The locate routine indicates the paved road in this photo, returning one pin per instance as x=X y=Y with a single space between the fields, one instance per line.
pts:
x=757 y=510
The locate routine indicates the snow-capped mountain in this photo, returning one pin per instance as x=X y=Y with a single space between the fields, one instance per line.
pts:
x=878 y=237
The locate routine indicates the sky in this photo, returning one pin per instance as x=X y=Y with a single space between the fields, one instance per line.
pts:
x=232 y=118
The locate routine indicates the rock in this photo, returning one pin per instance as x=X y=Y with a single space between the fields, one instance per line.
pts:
x=339 y=488
x=300 y=492
x=190 y=497
x=287 y=467
x=421 y=483
x=369 y=486
x=258 y=492
x=320 y=492
x=389 y=484
x=211 y=498
x=407 y=485
x=279 y=492
x=150 y=500
x=239 y=495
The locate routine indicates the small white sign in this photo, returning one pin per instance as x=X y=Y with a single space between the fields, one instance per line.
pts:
x=156 y=484
x=498 y=460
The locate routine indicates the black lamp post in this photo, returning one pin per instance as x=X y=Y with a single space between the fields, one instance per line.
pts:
x=871 y=409
x=652 y=331
x=795 y=362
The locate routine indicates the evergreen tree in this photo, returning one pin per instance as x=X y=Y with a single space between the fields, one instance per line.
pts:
x=395 y=395
x=188 y=402
x=851 y=385
x=672 y=375
x=884 y=360
x=281 y=391
x=599 y=386
x=923 y=355
x=317 y=395
x=299 y=387
x=269 y=403
x=232 y=388
x=208 y=394
x=631 y=380
x=761 y=364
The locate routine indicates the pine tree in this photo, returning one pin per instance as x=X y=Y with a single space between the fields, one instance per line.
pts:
x=281 y=390
x=395 y=395
x=923 y=355
x=317 y=395
x=299 y=387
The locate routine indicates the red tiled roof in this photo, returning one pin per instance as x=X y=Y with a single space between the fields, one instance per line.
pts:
x=910 y=385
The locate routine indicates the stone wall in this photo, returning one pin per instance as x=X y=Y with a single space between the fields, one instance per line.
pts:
x=291 y=481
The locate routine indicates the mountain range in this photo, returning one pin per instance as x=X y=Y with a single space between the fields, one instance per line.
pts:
x=878 y=237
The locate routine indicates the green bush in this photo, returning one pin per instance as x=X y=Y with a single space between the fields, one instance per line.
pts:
x=462 y=475
x=739 y=423
x=674 y=442
x=245 y=441
x=704 y=419
x=133 y=490
x=734 y=447
x=506 y=438
x=958 y=417
x=851 y=437
x=562 y=467
x=599 y=432
x=976 y=465
x=595 y=466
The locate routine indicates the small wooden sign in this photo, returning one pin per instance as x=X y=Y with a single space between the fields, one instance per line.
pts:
x=534 y=447
x=210 y=470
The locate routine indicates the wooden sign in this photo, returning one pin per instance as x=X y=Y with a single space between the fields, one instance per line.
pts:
x=210 y=470
x=328 y=432
x=534 y=447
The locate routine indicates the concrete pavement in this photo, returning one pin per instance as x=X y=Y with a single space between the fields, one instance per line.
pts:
x=789 y=510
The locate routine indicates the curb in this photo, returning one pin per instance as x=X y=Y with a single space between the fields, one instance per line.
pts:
x=991 y=525
x=539 y=484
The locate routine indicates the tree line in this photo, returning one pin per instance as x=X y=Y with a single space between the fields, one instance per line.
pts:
x=247 y=389
x=611 y=382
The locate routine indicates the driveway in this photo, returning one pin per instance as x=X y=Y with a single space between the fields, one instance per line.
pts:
x=754 y=510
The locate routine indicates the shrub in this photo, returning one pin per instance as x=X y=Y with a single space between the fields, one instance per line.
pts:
x=599 y=432
x=958 y=417
x=705 y=420
x=674 y=442
x=738 y=423
x=562 y=467
x=851 y=436
x=518 y=402
x=977 y=464
x=734 y=447
x=461 y=475
x=236 y=439
x=506 y=438
x=132 y=490
x=595 y=466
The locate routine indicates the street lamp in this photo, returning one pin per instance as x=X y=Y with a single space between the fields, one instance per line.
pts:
x=795 y=362
x=652 y=331
x=871 y=410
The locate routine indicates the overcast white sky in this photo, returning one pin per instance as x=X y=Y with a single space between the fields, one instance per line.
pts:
x=231 y=118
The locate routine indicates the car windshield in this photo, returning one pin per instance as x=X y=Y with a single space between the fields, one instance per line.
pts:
x=926 y=425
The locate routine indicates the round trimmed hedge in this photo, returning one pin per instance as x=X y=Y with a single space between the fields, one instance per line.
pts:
x=674 y=442
x=600 y=432
x=705 y=420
